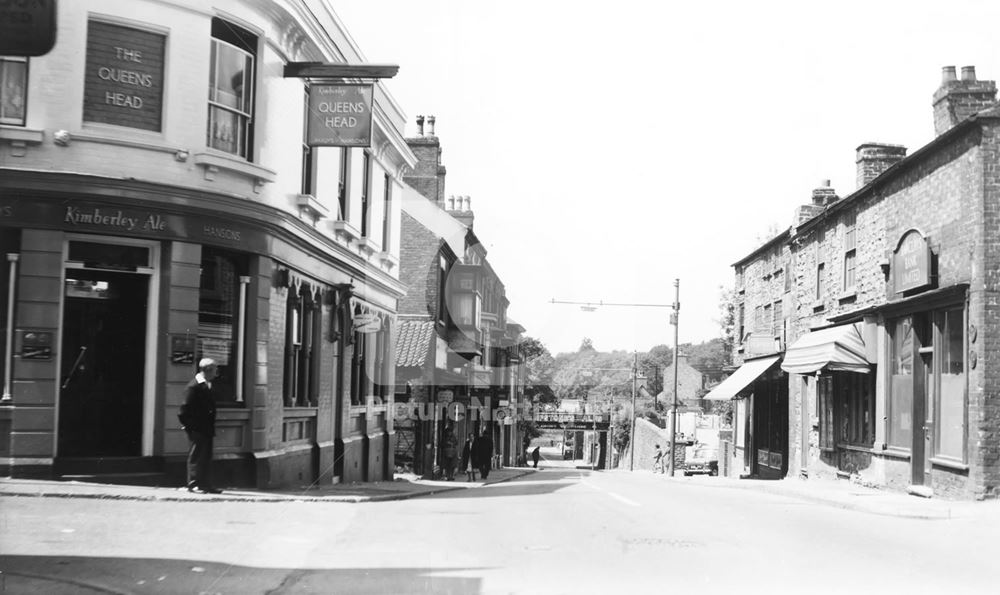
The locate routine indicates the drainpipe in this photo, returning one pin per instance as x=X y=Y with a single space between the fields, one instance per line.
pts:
x=241 y=335
x=8 y=360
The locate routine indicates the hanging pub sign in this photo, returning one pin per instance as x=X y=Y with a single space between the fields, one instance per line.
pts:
x=340 y=116
x=911 y=262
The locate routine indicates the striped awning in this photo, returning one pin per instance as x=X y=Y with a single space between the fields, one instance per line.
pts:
x=741 y=378
x=838 y=349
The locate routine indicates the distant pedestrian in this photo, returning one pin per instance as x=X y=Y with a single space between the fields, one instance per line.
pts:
x=467 y=466
x=535 y=455
x=197 y=417
x=449 y=452
x=482 y=454
x=658 y=460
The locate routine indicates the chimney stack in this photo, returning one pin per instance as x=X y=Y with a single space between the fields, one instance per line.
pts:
x=821 y=197
x=420 y=125
x=956 y=100
x=874 y=158
x=460 y=207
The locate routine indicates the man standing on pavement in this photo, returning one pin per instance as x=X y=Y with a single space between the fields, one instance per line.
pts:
x=197 y=416
x=482 y=454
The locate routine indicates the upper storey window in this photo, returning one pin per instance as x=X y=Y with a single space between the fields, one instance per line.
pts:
x=230 y=89
x=13 y=89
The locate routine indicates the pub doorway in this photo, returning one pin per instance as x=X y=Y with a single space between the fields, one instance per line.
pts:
x=103 y=370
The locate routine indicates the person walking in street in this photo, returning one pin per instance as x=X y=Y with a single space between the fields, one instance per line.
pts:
x=197 y=417
x=658 y=460
x=449 y=452
x=535 y=455
x=467 y=466
x=482 y=454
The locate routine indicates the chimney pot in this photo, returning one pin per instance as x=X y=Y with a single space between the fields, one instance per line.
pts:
x=948 y=75
x=969 y=73
x=451 y=203
x=420 y=125
x=430 y=125
x=825 y=184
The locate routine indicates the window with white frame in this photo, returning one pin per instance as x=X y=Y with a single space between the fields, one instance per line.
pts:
x=366 y=192
x=13 y=90
x=308 y=152
x=230 y=89
x=343 y=184
x=386 y=212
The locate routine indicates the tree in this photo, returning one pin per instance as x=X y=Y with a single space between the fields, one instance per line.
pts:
x=539 y=371
x=586 y=345
x=727 y=323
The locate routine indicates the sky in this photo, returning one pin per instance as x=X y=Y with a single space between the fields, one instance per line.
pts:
x=611 y=148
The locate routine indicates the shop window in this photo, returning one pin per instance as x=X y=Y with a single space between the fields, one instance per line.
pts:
x=303 y=333
x=219 y=317
x=856 y=395
x=901 y=385
x=370 y=364
x=951 y=408
x=824 y=405
x=13 y=90
x=230 y=89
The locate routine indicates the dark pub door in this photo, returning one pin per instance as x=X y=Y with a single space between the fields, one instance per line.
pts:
x=103 y=361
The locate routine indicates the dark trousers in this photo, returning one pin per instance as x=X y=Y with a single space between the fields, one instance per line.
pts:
x=484 y=470
x=199 y=462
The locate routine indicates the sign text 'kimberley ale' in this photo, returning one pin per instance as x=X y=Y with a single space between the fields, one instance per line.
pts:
x=340 y=116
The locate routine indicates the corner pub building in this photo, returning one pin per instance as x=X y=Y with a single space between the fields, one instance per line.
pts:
x=159 y=203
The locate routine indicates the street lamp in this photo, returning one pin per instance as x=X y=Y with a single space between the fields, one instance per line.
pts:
x=674 y=320
x=592 y=306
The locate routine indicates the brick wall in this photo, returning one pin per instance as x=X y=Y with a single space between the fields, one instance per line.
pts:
x=418 y=268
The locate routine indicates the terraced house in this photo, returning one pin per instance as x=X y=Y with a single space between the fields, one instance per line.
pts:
x=893 y=327
x=163 y=198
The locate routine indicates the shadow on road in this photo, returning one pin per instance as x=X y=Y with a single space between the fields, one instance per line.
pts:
x=82 y=574
x=546 y=481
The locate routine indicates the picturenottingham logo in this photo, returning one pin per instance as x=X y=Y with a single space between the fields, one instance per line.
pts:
x=474 y=410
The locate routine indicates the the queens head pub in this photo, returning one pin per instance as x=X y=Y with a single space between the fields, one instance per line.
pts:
x=129 y=255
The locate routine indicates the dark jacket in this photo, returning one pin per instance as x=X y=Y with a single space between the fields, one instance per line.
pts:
x=482 y=452
x=197 y=414
x=466 y=453
x=536 y=454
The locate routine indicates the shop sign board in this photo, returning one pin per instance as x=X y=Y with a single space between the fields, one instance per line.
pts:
x=911 y=262
x=27 y=27
x=445 y=396
x=182 y=349
x=367 y=322
x=340 y=116
x=123 y=80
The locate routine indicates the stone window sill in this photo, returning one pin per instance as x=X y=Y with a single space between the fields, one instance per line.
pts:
x=213 y=162
x=345 y=230
x=313 y=207
x=19 y=138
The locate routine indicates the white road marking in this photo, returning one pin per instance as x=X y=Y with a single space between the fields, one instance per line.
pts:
x=618 y=497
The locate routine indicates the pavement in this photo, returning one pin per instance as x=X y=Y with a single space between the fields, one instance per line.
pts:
x=844 y=494
x=404 y=486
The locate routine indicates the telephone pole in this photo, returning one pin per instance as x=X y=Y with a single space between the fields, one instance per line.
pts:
x=674 y=320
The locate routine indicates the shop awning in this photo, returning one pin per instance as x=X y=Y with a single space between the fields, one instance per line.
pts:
x=741 y=378
x=838 y=348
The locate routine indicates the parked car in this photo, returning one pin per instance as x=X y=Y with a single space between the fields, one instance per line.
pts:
x=701 y=459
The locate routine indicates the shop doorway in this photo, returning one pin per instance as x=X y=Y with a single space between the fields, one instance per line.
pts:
x=103 y=363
